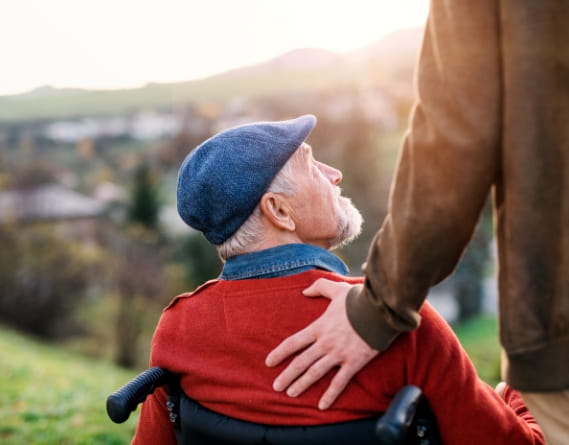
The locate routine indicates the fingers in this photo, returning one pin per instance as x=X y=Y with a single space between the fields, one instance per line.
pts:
x=326 y=288
x=348 y=369
x=297 y=367
x=290 y=346
x=337 y=386
x=318 y=370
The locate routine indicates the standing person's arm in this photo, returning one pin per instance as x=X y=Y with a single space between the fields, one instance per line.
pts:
x=449 y=160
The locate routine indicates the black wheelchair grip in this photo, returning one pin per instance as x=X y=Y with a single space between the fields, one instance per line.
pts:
x=393 y=427
x=125 y=400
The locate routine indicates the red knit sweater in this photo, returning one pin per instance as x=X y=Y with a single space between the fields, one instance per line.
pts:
x=217 y=338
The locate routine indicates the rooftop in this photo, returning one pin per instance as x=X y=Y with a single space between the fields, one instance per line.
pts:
x=48 y=202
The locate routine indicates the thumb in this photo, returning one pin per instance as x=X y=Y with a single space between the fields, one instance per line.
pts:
x=326 y=288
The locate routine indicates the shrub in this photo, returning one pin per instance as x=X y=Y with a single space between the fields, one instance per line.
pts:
x=43 y=278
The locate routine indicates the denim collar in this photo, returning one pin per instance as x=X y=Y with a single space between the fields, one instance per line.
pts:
x=281 y=261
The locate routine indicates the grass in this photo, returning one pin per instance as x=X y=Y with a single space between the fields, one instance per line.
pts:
x=49 y=395
x=479 y=337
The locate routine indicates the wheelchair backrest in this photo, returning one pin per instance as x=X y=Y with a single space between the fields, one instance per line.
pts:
x=202 y=426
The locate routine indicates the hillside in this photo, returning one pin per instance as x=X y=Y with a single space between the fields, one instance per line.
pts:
x=309 y=68
x=49 y=396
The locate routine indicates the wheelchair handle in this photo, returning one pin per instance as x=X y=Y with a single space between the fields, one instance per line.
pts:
x=395 y=425
x=125 y=400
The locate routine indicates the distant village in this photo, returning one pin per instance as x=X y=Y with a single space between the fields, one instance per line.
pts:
x=56 y=202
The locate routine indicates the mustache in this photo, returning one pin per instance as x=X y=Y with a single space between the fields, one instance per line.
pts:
x=339 y=194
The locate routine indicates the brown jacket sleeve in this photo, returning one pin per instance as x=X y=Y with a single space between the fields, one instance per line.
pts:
x=448 y=163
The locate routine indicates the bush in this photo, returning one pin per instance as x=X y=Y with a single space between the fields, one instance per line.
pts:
x=43 y=279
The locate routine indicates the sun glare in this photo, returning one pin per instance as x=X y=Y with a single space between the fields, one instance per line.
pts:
x=356 y=23
x=126 y=43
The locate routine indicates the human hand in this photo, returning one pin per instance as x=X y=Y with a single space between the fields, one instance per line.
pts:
x=329 y=341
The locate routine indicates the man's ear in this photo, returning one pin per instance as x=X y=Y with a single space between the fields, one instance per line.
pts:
x=278 y=211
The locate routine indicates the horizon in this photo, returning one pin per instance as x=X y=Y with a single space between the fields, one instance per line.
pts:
x=62 y=51
x=228 y=70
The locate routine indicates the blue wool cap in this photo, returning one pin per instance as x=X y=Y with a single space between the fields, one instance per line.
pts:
x=222 y=180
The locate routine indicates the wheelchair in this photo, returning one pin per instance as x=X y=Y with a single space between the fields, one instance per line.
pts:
x=407 y=421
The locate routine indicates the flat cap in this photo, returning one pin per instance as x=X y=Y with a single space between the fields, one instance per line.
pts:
x=222 y=180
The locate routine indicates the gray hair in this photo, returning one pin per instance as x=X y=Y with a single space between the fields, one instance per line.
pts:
x=251 y=231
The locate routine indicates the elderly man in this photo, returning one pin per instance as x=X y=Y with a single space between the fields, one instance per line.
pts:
x=274 y=212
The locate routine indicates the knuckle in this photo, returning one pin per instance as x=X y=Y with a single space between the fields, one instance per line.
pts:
x=295 y=368
x=303 y=361
x=327 y=343
x=314 y=372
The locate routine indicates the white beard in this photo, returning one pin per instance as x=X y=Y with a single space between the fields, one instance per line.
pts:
x=349 y=222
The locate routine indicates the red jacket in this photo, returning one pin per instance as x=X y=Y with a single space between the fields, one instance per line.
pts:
x=217 y=338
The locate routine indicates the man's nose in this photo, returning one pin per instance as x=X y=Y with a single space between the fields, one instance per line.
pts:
x=334 y=175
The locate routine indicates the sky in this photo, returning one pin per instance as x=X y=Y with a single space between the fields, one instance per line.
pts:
x=109 y=44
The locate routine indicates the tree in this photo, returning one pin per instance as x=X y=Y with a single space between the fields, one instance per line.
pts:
x=139 y=249
x=43 y=279
x=139 y=284
x=32 y=175
x=200 y=260
x=144 y=208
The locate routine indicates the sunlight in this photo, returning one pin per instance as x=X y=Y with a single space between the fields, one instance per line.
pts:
x=127 y=43
x=344 y=26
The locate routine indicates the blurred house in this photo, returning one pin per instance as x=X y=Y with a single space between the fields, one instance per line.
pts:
x=145 y=125
x=74 y=215
x=150 y=125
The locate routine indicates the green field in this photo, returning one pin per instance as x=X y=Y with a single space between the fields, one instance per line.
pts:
x=49 y=396
x=480 y=339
